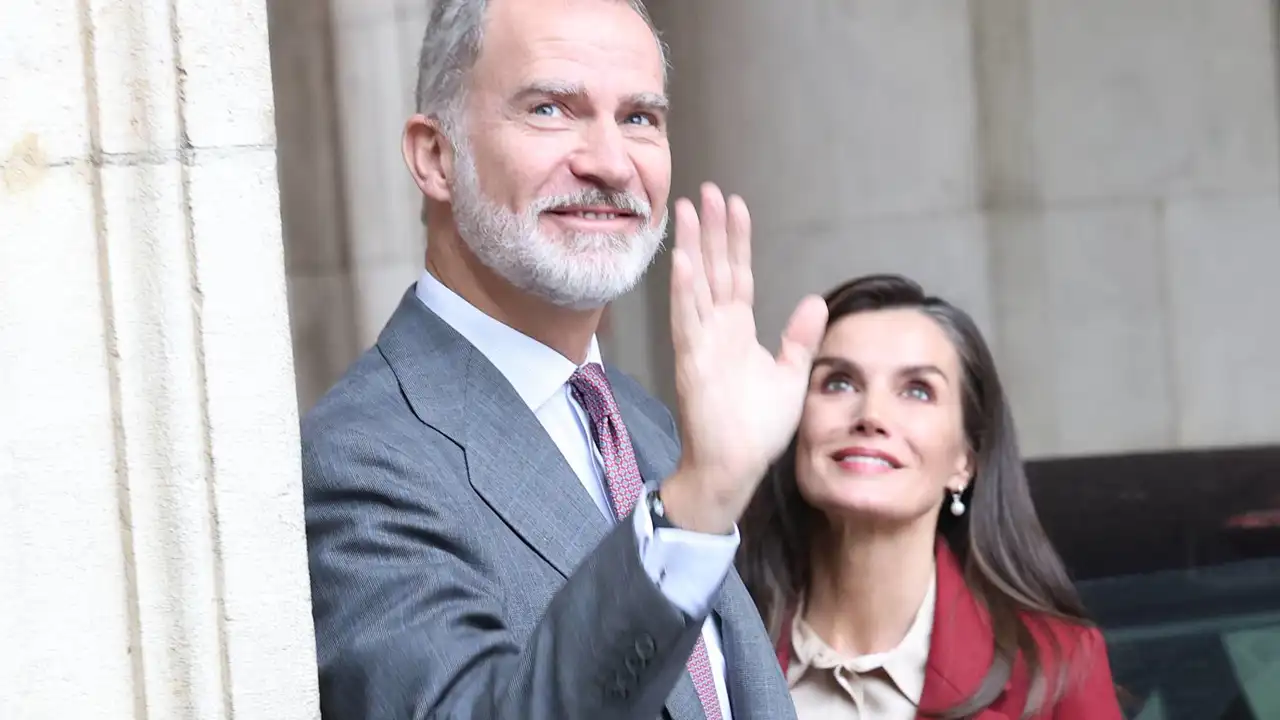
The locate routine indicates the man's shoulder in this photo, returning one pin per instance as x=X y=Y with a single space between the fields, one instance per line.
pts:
x=367 y=393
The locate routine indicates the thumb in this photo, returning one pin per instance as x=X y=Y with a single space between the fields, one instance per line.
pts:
x=803 y=334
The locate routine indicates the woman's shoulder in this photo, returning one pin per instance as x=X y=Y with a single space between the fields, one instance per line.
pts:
x=1067 y=639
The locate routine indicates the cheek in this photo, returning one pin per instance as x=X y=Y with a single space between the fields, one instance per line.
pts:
x=524 y=167
x=939 y=445
x=653 y=165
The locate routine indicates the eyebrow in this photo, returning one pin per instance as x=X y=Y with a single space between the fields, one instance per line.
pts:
x=852 y=368
x=650 y=101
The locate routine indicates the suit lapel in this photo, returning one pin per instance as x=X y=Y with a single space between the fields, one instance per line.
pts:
x=516 y=467
x=511 y=461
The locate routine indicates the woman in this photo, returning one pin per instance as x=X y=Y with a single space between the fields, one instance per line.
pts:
x=894 y=552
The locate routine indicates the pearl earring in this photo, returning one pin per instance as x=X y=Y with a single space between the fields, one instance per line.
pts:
x=957 y=505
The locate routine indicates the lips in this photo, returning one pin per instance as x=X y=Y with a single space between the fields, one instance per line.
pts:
x=869 y=458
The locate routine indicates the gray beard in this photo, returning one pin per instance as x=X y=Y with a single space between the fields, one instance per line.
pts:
x=582 y=271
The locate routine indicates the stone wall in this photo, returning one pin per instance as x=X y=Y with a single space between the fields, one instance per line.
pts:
x=1097 y=183
x=152 y=555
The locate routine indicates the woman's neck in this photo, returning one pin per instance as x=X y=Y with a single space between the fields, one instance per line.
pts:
x=867 y=587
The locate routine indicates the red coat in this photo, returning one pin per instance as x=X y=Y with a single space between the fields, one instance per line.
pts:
x=961 y=649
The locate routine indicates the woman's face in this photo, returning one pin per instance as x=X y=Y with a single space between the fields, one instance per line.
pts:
x=882 y=435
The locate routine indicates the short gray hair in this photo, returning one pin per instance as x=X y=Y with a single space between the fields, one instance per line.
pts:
x=451 y=45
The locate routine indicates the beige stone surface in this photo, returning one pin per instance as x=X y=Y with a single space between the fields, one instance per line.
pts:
x=1079 y=175
x=151 y=540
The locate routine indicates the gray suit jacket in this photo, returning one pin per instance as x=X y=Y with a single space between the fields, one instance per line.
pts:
x=459 y=569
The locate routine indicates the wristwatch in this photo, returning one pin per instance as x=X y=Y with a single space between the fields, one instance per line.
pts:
x=657 y=511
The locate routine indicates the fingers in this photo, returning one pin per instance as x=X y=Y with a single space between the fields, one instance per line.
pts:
x=739 y=234
x=715 y=240
x=803 y=335
x=689 y=243
x=684 y=305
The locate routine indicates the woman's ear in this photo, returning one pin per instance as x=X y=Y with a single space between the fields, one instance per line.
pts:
x=963 y=474
x=429 y=155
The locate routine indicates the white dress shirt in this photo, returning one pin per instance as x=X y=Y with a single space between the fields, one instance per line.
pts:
x=687 y=567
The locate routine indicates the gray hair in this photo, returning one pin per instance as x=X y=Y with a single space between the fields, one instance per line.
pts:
x=451 y=45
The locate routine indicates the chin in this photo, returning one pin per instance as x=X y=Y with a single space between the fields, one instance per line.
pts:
x=860 y=505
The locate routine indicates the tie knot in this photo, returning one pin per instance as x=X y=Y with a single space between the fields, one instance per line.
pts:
x=591 y=387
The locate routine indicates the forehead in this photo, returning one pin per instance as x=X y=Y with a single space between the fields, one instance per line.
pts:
x=604 y=45
x=885 y=340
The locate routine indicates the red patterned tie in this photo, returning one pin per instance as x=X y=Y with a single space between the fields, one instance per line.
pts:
x=622 y=476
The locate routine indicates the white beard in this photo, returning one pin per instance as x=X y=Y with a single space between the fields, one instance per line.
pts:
x=582 y=271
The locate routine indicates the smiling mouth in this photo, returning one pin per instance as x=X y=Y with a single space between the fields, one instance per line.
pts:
x=864 y=460
x=594 y=214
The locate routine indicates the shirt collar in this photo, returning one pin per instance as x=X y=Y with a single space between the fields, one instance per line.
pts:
x=535 y=371
x=904 y=664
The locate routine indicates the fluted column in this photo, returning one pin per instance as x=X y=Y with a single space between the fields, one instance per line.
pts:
x=151 y=542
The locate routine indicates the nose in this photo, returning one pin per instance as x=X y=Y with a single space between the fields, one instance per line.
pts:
x=603 y=159
x=867 y=417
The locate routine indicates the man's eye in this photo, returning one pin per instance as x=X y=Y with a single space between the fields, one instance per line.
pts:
x=641 y=119
x=546 y=110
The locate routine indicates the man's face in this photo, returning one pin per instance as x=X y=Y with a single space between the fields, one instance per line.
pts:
x=563 y=167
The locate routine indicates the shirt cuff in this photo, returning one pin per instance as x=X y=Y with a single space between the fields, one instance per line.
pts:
x=688 y=567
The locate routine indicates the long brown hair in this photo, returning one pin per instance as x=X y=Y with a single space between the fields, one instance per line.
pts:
x=1009 y=565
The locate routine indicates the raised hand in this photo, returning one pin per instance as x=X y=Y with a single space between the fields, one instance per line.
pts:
x=739 y=404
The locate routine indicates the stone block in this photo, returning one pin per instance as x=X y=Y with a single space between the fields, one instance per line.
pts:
x=225 y=66
x=1153 y=97
x=42 y=83
x=1082 y=340
x=1222 y=256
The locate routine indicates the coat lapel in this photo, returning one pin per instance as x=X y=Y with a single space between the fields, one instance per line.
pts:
x=961 y=644
x=748 y=651
x=511 y=461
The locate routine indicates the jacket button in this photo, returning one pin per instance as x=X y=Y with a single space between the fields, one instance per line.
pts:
x=618 y=689
x=646 y=647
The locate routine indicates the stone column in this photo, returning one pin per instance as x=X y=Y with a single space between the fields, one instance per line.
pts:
x=151 y=540
x=345 y=76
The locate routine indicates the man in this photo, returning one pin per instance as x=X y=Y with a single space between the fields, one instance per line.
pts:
x=471 y=481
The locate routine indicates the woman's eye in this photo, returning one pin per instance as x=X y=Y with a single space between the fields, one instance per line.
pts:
x=836 y=384
x=920 y=392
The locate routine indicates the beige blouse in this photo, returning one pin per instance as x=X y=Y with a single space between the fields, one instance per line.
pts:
x=883 y=686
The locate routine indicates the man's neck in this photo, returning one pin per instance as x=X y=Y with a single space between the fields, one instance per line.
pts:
x=568 y=332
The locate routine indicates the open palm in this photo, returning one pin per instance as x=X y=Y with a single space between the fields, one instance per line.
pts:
x=739 y=404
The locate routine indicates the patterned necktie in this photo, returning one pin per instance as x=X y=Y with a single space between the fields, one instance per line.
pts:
x=622 y=476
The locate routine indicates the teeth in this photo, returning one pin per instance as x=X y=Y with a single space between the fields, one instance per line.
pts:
x=865 y=459
x=596 y=216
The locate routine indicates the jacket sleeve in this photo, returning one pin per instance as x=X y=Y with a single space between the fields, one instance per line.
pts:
x=1091 y=694
x=408 y=609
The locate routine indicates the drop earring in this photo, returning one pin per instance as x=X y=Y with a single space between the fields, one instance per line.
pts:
x=957 y=505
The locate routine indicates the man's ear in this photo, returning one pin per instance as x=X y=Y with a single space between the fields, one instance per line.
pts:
x=429 y=155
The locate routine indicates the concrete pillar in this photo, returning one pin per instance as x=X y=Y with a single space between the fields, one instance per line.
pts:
x=353 y=238
x=151 y=541
x=1096 y=183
